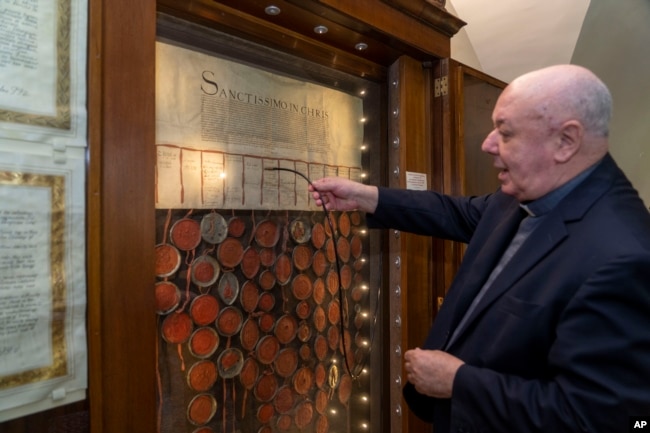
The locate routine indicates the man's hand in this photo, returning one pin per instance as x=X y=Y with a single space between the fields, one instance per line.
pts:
x=432 y=372
x=341 y=194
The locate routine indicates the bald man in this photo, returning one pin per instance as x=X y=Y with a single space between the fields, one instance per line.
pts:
x=546 y=326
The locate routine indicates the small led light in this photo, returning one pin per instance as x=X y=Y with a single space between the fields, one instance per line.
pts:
x=363 y=120
x=321 y=30
x=272 y=10
x=223 y=175
x=362 y=93
x=361 y=46
x=364 y=147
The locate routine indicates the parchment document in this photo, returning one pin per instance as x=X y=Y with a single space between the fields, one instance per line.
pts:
x=43 y=71
x=220 y=124
x=25 y=289
x=42 y=284
x=28 y=56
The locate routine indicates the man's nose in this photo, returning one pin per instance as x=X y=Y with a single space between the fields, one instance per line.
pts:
x=489 y=145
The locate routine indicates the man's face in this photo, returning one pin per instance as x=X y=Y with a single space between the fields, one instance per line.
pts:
x=522 y=146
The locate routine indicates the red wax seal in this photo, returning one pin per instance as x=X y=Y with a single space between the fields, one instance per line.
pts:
x=204 y=309
x=177 y=328
x=186 y=234
x=344 y=224
x=203 y=342
x=168 y=260
x=284 y=399
x=202 y=376
x=301 y=287
x=319 y=291
x=201 y=409
x=168 y=296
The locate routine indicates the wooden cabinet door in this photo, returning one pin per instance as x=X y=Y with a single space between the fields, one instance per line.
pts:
x=468 y=97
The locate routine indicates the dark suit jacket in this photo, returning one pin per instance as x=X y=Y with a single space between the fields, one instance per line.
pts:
x=561 y=341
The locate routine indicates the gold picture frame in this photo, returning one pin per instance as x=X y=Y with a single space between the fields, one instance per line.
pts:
x=59 y=361
x=62 y=118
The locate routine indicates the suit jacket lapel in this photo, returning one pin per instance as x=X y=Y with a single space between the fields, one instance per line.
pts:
x=544 y=238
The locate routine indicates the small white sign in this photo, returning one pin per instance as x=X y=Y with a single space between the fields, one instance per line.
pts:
x=417 y=181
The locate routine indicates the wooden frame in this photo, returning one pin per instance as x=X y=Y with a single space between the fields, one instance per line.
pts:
x=121 y=317
x=121 y=154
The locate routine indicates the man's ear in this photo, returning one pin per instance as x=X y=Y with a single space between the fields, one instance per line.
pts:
x=570 y=139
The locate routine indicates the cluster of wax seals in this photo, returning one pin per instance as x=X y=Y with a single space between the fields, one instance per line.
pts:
x=257 y=304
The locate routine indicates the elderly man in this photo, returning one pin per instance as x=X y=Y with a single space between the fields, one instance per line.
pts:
x=546 y=327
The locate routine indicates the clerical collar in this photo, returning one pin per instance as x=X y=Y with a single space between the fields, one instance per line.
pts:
x=544 y=204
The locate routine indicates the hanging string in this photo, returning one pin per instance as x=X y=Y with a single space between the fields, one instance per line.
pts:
x=159 y=383
x=359 y=368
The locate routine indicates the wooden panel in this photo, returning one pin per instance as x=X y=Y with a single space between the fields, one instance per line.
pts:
x=430 y=12
x=410 y=263
x=298 y=40
x=401 y=27
x=452 y=161
x=456 y=175
x=121 y=235
x=476 y=94
x=389 y=31
x=415 y=149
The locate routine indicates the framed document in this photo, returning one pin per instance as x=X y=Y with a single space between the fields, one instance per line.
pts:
x=42 y=70
x=42 y=284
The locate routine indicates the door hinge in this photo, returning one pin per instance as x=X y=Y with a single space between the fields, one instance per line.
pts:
x=440 y=87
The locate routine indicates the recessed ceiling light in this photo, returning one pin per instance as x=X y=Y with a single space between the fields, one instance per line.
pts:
x=361 y=46
x=272 y=10
x=320 y=30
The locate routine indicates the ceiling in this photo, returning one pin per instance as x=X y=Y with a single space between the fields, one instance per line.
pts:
x=506 y=38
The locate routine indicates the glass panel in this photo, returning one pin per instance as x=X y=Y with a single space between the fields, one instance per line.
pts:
x=268 y=306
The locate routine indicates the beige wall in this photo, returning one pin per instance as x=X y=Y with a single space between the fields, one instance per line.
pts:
x=614 y=42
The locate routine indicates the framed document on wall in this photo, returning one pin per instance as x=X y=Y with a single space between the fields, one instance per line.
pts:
x=43 y=71
x=42 y=284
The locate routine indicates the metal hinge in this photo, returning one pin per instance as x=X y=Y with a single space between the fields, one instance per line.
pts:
x=440 y=87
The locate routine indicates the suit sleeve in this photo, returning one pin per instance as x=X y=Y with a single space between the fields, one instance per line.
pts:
x=428 y=213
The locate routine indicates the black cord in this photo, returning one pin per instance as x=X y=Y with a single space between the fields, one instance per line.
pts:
x=338 y=269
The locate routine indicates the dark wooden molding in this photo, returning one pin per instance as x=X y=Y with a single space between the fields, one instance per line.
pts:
x=431 y=14
x=120 y=216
